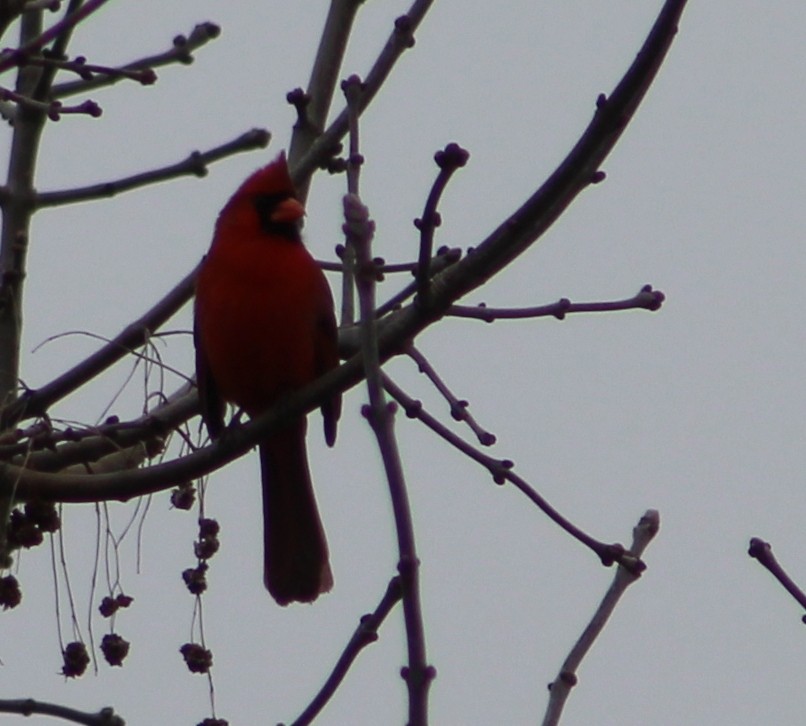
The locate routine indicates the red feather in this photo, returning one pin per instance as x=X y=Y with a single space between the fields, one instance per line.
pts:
x=264 y=327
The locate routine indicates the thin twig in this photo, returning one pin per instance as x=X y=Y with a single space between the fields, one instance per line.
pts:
x=643 y=533
x=646 y=299
x=502 y=471
x=380 y=265
x=18 y=56
x=58 y=49
x=35 y=403
x=762 y=551
x=353 y=90
x=451 y=158
x=194 y=165
x=365 y=634
x=88 y=71
x=459 y=407
x=54 y=110
x=380 y=414
x=313 y=106
x=181 y=52
x=327 y=143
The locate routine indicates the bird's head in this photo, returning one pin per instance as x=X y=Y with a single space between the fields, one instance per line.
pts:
x=266 y=202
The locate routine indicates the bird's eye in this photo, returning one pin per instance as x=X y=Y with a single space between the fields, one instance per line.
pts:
x=265 y=204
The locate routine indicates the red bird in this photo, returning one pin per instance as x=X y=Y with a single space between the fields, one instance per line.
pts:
x=264 y=327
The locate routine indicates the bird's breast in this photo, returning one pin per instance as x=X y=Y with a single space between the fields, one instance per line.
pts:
x=257 y=313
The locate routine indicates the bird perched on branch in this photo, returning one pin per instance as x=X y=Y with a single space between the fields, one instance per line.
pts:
x=264 y=327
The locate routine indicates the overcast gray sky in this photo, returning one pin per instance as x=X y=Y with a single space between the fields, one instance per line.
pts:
x=697 y=410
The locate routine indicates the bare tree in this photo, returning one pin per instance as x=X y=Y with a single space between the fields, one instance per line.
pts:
x=44 y=463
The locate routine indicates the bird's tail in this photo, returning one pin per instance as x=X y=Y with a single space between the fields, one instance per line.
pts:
x=296 y=566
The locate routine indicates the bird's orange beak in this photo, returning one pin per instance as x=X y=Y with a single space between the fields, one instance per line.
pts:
x=289 y=210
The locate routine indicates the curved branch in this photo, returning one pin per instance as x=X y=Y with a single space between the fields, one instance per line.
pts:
x=234 y=443
x=459 y=407
x=578 y=169
x=451 y=158
x=511 y=239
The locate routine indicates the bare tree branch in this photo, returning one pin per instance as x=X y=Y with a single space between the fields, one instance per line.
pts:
x=451 y=158
x=402 y=37
x=16 y=225
x=11 y=58
x=314 y=105
x=28 y=707
x=88 y=71
x=643 y=533
x=365 y=634
x=512 y=237
x=762 y=551
x=646 y=299
x=54 y=110
x=181 y=52
x=37 y=402
x=459 y=407
x=193 y=165
x=502 y=470
x=359 y=230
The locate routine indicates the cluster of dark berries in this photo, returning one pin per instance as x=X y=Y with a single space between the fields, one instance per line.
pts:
x=207 y=544
x=10 y=593
x=114 y=648
x=76 y=659
x=204 y=548
x=26 y=527
x=197 y=657
x=110 y=605
x=184 y=496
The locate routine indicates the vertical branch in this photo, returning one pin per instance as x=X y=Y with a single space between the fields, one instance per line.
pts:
x=359 y=230
x=45 y=82
x=451 y=158
x=353 y=90
x=314 y=108
x=17 y=207
x=401 y=39
x=17 y=210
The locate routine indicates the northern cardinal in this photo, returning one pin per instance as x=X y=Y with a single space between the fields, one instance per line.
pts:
x=264 y=327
